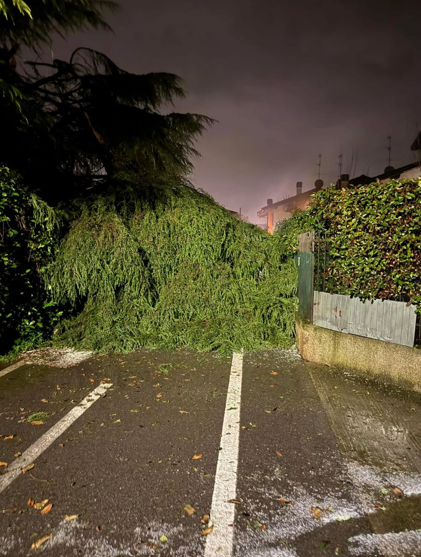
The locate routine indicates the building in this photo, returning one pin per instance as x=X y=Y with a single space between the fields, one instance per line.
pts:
x=282 y=210
x=406 y=172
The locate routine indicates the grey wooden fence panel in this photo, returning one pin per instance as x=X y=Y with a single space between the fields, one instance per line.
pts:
x=382 y=320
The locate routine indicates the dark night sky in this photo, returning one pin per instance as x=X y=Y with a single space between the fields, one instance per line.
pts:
x=286 y=79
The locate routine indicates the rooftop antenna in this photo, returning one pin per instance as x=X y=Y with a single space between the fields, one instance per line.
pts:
x=339 y=163
x=319 y=164
x=389 y=148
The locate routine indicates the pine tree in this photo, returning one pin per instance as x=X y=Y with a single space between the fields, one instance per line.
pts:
x=68 y=127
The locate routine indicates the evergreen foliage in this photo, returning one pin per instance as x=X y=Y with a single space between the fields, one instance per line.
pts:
x=80 y=122
x=289 y=229
x=28 y=232
x=171 y=268
x=31 y=23
x=147 y=260
x=373 y=239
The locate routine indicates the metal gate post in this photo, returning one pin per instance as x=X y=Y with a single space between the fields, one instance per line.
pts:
x=304 y=260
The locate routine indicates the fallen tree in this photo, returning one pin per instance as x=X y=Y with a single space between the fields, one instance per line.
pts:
x=167 y=268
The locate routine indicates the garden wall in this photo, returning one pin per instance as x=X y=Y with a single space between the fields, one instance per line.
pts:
x=398 y=364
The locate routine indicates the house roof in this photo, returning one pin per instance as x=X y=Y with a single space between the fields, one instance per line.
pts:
x=396 y=172
x=292 y=203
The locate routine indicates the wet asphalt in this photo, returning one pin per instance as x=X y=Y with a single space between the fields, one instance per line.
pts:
x=329 y=463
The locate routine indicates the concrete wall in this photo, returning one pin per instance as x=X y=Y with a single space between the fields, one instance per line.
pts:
x=391 y=362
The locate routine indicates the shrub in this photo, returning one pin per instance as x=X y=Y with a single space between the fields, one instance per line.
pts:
x=28 y=228
x=373 y=239
x=289 y=229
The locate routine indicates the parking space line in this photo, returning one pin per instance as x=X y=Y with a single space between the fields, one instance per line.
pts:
x=221 y=540
x=35 y=450
x=12 y=367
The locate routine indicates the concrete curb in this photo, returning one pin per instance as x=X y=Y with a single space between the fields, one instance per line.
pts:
x=390 y=362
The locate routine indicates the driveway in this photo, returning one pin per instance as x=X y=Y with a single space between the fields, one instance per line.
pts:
x=185 y=454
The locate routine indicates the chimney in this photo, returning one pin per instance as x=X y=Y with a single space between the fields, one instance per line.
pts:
x=344 y=180
x=269 y=202
x=299 y=188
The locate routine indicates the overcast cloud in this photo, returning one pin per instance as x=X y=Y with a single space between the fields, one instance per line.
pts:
x=286 y=80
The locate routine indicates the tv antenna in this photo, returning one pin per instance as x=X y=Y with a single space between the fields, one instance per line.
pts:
x=319 y=164
x=389 y=148
x=339 y=163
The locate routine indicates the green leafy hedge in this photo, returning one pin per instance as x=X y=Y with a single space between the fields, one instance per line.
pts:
x=373 y=238
x=28 y=230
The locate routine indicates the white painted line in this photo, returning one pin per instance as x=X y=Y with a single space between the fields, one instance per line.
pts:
x=12 y=367
x=221 y=540
x=35 y=450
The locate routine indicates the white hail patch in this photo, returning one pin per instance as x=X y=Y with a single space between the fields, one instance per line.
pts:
x=402 y=544
x=56 y=358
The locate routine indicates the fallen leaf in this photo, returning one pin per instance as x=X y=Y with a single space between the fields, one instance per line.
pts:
x=262 y=527
x=317 y=512
x=9 y=437
x=278 y=453
x=36 y=422
x=207 y=531
x=47 y=509
x=197 y=456
x=39 y=542
x=152 y=545
x=184 y=412
x=18 y=454
x=27 y=468
x=163 y=538
x=91 y=380
x=286 y=501
x=398 y=491
x=3 y=464
x=205 y=519
x=71 y=516
x=31 y=502
x=235 y=501
x=189 y=510
x=274 y=373
x=117 y=421
x=44 y=400
x=159 y=395
x=40 y=505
